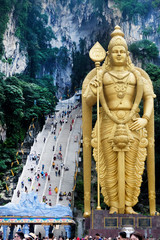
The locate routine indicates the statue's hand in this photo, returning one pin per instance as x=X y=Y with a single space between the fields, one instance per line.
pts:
x=96 y=82
x=138 y=124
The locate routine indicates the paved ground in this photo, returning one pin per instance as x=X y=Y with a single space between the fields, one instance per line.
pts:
x=69 y=141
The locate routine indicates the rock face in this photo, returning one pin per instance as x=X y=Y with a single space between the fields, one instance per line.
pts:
x=14 y=61
x=74 y=20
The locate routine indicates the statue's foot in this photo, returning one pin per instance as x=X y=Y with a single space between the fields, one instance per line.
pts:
x=86 y=214
x=113 y=210
x=154 y=213
x=129 y=210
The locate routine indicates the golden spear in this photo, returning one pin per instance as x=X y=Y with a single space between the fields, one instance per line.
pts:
x=97 y=54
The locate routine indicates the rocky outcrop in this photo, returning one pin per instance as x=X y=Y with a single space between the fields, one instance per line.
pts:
x=14 y=59
x=74 y=20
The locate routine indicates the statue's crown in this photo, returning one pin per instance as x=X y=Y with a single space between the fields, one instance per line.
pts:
x=117 y=38
x=117 y=32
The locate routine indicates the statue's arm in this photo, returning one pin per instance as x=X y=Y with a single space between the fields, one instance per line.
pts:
x=90 y=95
x=147 y=108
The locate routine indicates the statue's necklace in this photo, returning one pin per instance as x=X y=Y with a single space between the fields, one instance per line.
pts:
x=120 y=85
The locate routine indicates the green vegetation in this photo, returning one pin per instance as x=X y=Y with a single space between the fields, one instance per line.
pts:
x=81 y=64
x=156 y=3
x=131 y=8
x=27 y=96
x=79 y=197
x=21 y=100
x=144 y=50
x=147 y=31
x=34 y=34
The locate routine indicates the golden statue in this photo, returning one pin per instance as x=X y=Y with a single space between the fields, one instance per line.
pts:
x=120 y=137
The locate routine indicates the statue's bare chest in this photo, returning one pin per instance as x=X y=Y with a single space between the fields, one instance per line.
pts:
x=119 y=83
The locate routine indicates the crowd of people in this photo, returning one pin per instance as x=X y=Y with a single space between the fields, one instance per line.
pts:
x=38 y=172
x=121 y=236
x=19 y=235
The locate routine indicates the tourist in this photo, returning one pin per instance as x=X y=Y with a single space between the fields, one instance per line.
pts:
x=66 y=168
x=51 y=236
x=19 y=235
x=49 y=178
x=136 y=236
x=122 y=235
x=49 y=189
x=37 y=160
x=61 y=238
x=98 y=236
x=30 y=236
x=60 y=194
x=39 y=235
x=53 y=164
x=18 y=193
x=50 y=203
x=44 y=139
x=44 y=199
x=56 y=190
x=86 y=237
x=62 y=164
x=38 y=177
x=42 y=167
x=52 y=128
x=60 y=198
x=60 y=147
x=31 y=169
x=22 y=184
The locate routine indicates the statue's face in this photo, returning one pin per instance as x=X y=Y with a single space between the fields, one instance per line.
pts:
x=118 y=56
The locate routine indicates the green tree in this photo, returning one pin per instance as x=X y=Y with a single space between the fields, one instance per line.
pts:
x=131 y=8
x=144 y=50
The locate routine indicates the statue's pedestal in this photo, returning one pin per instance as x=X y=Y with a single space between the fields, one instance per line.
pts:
x=109 y=225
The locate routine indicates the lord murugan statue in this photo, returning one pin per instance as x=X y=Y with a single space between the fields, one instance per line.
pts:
x=121 y=138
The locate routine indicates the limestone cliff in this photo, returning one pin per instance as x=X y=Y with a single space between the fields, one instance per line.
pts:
x=74 y=20
x=13 y=61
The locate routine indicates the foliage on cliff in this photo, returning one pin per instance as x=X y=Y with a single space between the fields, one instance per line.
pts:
x=131 y=8
x=144 y=50
x=26 y=96
x=34 y=34
x=21 y=100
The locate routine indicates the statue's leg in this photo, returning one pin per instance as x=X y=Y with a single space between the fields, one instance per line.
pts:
x=111 y=183
x=134 y=165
